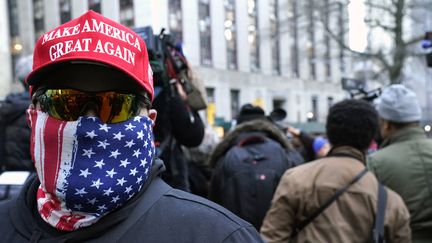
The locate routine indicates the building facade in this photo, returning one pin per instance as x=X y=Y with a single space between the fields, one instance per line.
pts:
x=272 y=53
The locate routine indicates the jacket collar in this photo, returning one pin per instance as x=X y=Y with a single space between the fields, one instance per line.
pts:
x=348 y=151
x=404 y=134
x=28 y=222
x=261 y=126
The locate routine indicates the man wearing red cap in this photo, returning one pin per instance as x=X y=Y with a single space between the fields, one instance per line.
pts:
x=92 y=146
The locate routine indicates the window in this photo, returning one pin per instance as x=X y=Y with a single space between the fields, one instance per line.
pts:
x=330 y=102
x=294 y=33
x=211 y=95
x=327 y=54
x=13 y=18
x=94 y=5
x=235 y=102
x=253 y=35
x=127 y=13
x=310 y=45
x=14 y=33
x=274 y=29
x=278 y=104
x=230 y=33
x=342 y=36
x=175 y=20
x=314 y=113
x=38 y=18
x=65 y=10
x=211 y=109
x=205 y=32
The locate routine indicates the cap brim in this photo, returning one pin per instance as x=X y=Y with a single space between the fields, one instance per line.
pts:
x=35 y=78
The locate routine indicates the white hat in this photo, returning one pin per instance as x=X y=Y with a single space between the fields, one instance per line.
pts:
x=399 y=104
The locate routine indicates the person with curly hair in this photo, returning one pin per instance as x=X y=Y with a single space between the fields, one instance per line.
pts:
x=351 y=126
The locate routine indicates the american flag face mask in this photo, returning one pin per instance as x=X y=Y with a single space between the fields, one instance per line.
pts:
x=88 y=168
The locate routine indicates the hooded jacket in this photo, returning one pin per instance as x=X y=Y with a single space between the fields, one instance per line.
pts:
x=158 y=213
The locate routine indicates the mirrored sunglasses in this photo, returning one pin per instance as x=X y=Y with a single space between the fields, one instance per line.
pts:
x=70 y=104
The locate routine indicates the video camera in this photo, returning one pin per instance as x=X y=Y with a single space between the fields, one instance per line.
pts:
x=426 y=44
x=166 y=58
x=357 y=89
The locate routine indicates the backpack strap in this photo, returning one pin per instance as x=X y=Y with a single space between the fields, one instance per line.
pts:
x=378 y=231
x=299 y=227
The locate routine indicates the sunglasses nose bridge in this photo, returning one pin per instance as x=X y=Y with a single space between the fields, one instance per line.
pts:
x=89 y=108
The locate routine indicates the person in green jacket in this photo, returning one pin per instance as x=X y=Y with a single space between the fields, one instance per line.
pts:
x=404 y=160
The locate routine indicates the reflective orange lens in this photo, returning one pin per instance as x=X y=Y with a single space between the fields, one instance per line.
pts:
x=69 y=104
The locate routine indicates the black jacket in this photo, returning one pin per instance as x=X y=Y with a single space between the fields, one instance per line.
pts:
x=308 y=151
x=245 y=178
x=158 y=213
x=176 y=125
x=15 y=133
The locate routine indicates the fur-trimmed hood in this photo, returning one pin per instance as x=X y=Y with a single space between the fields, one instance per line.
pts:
x=262 y=126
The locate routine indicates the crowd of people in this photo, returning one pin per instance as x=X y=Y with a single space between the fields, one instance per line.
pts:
x=119 y=155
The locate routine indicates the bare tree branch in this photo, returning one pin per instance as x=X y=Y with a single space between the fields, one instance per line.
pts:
x=425 y=5
x=391 y=56
x=414 y=40
x=340 y=41
x=378 y=24
x=385 y=8
x=417 y=54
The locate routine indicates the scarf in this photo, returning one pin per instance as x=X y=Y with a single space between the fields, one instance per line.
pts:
x=88 y=168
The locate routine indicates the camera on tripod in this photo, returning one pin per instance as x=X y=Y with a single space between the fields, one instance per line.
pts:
x=170 y=67
x=166 y=58
x=357 y=89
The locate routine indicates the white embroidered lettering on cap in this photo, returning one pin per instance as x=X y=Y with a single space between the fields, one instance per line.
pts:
x=118 y=50
x=94 y=26
x=62 y=48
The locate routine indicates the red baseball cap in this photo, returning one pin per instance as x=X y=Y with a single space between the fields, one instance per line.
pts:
x=92 y=37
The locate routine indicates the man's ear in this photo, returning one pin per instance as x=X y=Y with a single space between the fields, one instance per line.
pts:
x=385 y=125
x=152 y=113
x=385 y=128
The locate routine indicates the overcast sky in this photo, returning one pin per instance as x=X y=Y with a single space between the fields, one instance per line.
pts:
x=358 y=30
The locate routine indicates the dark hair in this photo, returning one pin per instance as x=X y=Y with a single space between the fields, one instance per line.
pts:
x=352 y=123
x=249 y=112
x=145 y=100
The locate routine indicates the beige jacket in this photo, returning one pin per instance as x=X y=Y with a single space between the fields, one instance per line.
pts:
x=350 y=219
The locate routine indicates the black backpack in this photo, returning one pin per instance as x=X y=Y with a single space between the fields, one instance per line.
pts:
x=246 y=177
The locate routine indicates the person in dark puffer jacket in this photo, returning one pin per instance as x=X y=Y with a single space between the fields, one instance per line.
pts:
x=233 y=174
x=16 y=136
x=14 y=129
